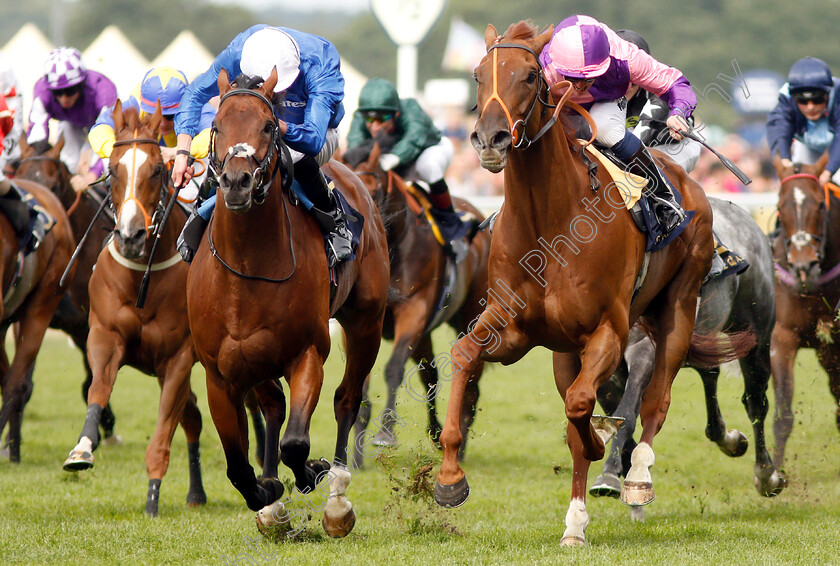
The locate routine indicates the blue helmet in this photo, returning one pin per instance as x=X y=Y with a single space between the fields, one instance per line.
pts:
x=165 y=84
x=808 y=75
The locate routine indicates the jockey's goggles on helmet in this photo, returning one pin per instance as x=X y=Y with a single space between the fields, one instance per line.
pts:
x=376 y=116
x=69 y=91
x=815 y=96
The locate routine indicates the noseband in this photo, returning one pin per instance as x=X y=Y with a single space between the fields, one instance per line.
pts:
x=258 y=168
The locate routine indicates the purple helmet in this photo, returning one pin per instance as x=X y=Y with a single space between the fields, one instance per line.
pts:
x=64 y=68
x=579 y=49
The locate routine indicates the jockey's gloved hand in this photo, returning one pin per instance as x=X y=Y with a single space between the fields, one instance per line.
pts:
x=388 y=161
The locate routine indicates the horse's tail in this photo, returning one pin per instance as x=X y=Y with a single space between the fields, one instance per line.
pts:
x=712 y=350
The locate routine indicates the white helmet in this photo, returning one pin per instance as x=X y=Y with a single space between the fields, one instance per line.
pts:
x=271 y=48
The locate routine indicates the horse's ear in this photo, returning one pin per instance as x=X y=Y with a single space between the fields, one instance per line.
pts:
x=56 y=149
x=490 y=35
x=117 y=114
x=154 y=121
x=777 y=163
x=223 y=82
x=544 y=38
x=821 y=163
x=270 y=83
x=373 y=158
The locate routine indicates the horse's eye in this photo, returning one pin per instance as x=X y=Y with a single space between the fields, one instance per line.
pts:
x=268 y=128
x=158 y=169
x=475 y=76
x=532 y=77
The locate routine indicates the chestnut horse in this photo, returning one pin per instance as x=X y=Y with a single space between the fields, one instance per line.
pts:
x=807 y=252
x=46 y=168
x=155 y=339
x=31 y=293
x=563 y=272
x=259 y=300
x=417 y=305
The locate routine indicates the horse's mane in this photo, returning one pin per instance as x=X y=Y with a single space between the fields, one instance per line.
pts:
x=246 y=81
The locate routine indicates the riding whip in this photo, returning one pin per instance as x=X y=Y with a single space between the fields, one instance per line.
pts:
x=78 y=250
x=144 y=284
x=692 y=135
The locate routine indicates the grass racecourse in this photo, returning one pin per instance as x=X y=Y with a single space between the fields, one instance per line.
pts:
x=706 y=510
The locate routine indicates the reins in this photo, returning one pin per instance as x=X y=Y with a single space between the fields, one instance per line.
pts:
x=281 y=151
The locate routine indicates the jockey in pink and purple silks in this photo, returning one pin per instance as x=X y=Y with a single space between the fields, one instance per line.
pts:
x=601 y=67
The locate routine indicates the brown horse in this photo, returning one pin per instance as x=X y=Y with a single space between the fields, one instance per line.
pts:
x=807 y=252
x=563 y=271
x=259 y=301
x=31 y=293
x=422 y=297
x=155 y=339
x=46 y=168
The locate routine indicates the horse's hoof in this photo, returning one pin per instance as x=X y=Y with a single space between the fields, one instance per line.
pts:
x=637 y=493
x=273 y=487
x=78 y=460
x=451 y=496
x=772 y=486
x=606 y=485
x=196 y=499
x=339 y=528
x=274 y=521
x=734 y=444
x=151 y=508
x=606 y=426
x=384 y=439
x=573 y=540
x=113 y=440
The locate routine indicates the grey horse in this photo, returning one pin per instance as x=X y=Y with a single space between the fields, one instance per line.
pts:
x=745 y=303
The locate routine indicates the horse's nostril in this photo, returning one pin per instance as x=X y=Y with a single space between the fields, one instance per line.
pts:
x=224 y=180
x=245 y=181
x=500 y=140
x=138 y=237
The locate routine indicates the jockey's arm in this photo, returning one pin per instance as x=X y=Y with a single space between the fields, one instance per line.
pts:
x=182 y=171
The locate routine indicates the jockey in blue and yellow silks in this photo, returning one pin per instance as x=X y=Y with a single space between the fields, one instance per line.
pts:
x=164 y=84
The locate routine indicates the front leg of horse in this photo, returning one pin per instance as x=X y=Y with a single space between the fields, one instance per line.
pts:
x=272 y=402
x=423 y=355
x=783 y=348
x=105 y=355
x=231 y=423
x=394 y=373
x=451 y=487
x=732 y=442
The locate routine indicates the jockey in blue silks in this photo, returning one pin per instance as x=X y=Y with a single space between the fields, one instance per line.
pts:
x=309 y=76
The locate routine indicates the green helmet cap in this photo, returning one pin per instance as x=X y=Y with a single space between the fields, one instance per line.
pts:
x=379 y=95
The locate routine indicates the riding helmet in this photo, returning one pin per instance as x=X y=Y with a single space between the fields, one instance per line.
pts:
x=809 y=75
x=64 y=68
x=271 y=48
x=379 y=95
x=579 y=49
x=166 y=84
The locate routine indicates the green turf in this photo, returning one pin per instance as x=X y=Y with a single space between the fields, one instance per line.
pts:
x=706 y=510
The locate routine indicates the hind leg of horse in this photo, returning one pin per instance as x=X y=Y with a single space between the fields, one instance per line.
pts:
x=174 y=396
x=105 y=355
x=639 y=368
x=192 y=425
x=731 y=442
x=423 y=355
x=272 y=401
x=675 y=324
x=107 y=420
x=258 y=425
x=35 y=317
x=784 y=344
x=407 y=334
x=360 y=428
x=231 y=421
x=755 y=368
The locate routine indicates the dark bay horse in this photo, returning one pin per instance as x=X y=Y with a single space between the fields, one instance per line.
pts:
x=31 y=293
x=743 y=303
x=155 y=339
x=45 y=167
x=259 y=300
x=564 y=265
x=807 y=252
x=422 y=297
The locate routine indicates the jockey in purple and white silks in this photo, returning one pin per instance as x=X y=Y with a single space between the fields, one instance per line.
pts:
x=601 y=66
x=309 y=74
x=74 y=96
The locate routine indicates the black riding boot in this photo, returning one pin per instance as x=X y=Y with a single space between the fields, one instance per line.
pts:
x=325 y=210
x=190 y=237
x=667 y=210
x=22 y=217
x=449 y=221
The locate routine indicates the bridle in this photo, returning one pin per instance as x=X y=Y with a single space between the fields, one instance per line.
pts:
x=523 y=142
x=151 y=222
x=276 y=147
x=518 y=141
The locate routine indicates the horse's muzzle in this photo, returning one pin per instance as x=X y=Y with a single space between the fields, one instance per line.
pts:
x=132 y=246
x=236 y=190
x=492 y=152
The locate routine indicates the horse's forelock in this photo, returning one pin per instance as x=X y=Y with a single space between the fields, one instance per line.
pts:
x=524 y=30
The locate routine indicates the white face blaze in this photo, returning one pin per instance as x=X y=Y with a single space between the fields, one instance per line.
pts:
x=241 y=149
x=133 y=159
x=801 y=238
